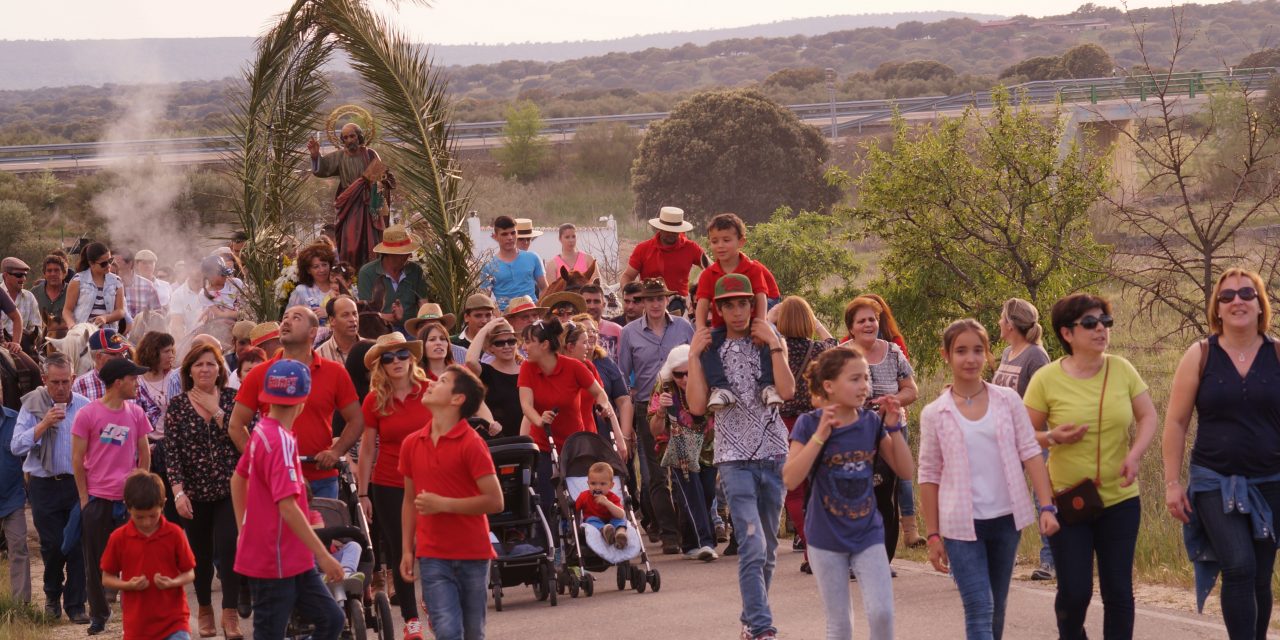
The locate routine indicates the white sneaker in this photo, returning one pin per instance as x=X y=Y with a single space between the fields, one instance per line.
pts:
x=721 y=399
x=693 y=554
x=769 y=395
x=706 y=554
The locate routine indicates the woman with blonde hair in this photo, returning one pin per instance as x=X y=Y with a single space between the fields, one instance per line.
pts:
x=1234 y=475
x=392 y=411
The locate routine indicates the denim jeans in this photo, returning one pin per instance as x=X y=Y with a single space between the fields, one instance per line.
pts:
x=754 y=490
x=871 y=566
x=693 y=494
x=456 y=593
x=1111 y=538
x=618 y=523
x=982 y=570
x=906 y=492
x=274 y=601
x=51 y=502
x=325 y=488
x=179 y=635
x=1046 y=552
x=713 y=367
x=1246 y=563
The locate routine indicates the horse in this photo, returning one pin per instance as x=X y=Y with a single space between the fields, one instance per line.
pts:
x=75 y=346
x=572 y=281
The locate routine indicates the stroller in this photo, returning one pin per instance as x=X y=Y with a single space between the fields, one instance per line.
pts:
x=365 y=610
x=520 y=533
x=581 y=450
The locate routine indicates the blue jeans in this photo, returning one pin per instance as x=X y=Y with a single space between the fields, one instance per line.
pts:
x=906 y=493
x=456 y=593
x=713 y=367
x=618 y=523
x=1246 y=563
x=1111 y=538
x=274 y=601
x=754 y=490
x=325 y=488
x=871 y=565
x=179 y=635
x=693 y=495
x=982 y=570
x=1046 y=552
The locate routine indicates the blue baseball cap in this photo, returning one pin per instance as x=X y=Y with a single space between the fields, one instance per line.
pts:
x=287 y=382
x=106 y=339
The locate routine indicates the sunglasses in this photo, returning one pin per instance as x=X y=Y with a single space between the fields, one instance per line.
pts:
x=392 y=356
x=18 y=274
x=1089 y=323
x=505 y=343
x=678 y=375
x=105 y=263
x=1245 y=293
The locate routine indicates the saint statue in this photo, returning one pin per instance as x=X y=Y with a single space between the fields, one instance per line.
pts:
x=364 y=190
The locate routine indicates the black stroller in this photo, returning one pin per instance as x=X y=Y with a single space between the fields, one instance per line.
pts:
x=581 y=450
x=521 y=532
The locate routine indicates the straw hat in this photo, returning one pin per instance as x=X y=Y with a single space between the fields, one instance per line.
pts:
x=500 y=328
x=524 y=228
x=479 y=301
x=242 y=329
x=429 y=312
x=670 y=219
x=562 y=297
x=397 y=241
x=520 y=304
x=393 y=341
x=264 y=332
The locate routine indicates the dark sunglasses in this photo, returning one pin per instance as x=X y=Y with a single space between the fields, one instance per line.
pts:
x=105 y=263
x=678 y=375
x=18 y=274
x=505 y=343
x=1089 y=323
x=1245 y=293
x=391 y=356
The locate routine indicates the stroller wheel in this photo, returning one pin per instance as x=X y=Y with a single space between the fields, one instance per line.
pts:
x=382 y=615
x=540 y=587
x=637 y=579
x=355 y=619
x=622 y=576
x=551 y=589
x=497 y=598
x=573 y=586
x=655 y=580
x=589 y=585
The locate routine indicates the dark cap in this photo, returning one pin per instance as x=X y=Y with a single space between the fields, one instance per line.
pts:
x=106 y=339
x=117 y=369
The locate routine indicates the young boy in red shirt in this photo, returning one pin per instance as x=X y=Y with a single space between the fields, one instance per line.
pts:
x=449 y=485
x=148 y=561
x=278 y=550
x=602 y=507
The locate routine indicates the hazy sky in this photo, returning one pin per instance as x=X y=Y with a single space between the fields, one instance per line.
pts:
x=472 y=21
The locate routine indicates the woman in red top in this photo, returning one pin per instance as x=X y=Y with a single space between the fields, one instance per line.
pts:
x=392 y=411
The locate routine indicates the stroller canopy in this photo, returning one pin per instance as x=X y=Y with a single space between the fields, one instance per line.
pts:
x=583 y=449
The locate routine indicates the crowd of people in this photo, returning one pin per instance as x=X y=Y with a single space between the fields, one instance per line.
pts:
x=160 y=455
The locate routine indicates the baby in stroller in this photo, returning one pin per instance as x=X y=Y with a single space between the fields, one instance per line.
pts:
x=601 y=507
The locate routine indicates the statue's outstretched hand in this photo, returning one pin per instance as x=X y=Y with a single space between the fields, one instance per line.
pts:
x=313 y=147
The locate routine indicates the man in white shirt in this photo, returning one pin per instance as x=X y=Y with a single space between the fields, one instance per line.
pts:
x=144 y=264
x=15 y=278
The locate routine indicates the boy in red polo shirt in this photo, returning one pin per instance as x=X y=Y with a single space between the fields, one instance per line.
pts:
x=449 y=485
x=278 y=550
x=727 y=234
x=148 y=561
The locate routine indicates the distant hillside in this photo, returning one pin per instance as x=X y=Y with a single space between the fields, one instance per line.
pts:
x=31 y=64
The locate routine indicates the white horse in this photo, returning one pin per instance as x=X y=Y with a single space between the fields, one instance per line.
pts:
x=147 y=321
x=75 y=346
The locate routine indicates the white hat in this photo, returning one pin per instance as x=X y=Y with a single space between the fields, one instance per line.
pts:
x=524 y=228
x=678 y=356
x=670 y=219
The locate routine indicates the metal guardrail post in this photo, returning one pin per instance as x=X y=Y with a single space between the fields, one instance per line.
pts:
x=1093 y=94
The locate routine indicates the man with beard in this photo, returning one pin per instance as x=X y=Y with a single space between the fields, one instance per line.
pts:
x=363 y=187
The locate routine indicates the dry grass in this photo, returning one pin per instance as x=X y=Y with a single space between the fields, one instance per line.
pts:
x=559 y=199
x=19 y=621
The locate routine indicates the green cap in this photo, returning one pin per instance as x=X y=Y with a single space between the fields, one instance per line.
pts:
x=733 y=285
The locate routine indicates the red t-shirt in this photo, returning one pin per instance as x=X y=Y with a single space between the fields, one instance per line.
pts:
x=588 y=408
x=586 y=503
x=331 y=390
x=761 y=281
x=406 y=417
x=152 y=612
x=560 y=391
x=656 y=260
x=449 y=467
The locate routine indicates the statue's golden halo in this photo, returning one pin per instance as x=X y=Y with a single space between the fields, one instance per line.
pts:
x=358 y=115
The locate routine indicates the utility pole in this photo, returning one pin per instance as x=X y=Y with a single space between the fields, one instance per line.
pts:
x=831 y=95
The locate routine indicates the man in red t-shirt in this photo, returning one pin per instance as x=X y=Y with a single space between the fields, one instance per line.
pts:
x=450 y=484
x=331 y=390
x=668 y=255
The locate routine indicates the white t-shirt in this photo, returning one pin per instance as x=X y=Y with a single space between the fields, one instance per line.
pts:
x=164 y=291
x=189 y=306
x=991 y=497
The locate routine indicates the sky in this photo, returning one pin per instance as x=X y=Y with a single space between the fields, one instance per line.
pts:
x=471 y=21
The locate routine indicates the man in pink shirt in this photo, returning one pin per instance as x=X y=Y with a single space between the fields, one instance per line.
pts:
x=108 y=441
x=278 y=550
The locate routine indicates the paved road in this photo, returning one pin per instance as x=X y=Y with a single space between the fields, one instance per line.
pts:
x=701 y=601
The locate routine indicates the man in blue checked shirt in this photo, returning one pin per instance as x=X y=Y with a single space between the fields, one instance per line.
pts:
x=42 y=434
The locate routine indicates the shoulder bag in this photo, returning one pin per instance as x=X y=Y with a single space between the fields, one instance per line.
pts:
x=1081 y=503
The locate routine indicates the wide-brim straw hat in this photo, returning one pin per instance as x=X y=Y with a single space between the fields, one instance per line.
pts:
x=561 y=297
x=264 y=332
x=500 y=328
x=429 y=312
x=520 y=304
x=397 y=241
x=671 y=219
x=393 y=341
x=524 y=228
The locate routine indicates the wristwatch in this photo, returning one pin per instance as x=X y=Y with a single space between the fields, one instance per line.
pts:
x=1049 y=508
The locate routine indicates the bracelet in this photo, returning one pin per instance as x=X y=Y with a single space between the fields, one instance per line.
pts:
x=776 y=350
x=1171 y=483
x=1049 y=508
x=894 y=429
x=930 y=537
x=818 y=440
x=364 y=495
x=179 y=495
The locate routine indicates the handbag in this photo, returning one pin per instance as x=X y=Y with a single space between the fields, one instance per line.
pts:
x=1081 y=503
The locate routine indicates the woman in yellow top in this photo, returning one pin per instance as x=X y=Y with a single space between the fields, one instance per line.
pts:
x=1087 y=401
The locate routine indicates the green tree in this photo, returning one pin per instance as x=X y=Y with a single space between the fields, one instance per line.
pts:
x=731 y=151
x=978 y=209
x=523 y=151
x=810 y=255
x=18 y=238
x=796 y=78
x=606 y=150
x=1265 y=58
x=1087 y=61
x=1036 y=68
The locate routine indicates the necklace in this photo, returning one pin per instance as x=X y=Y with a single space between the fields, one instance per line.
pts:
x=1243 y=353
x=968 y=400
